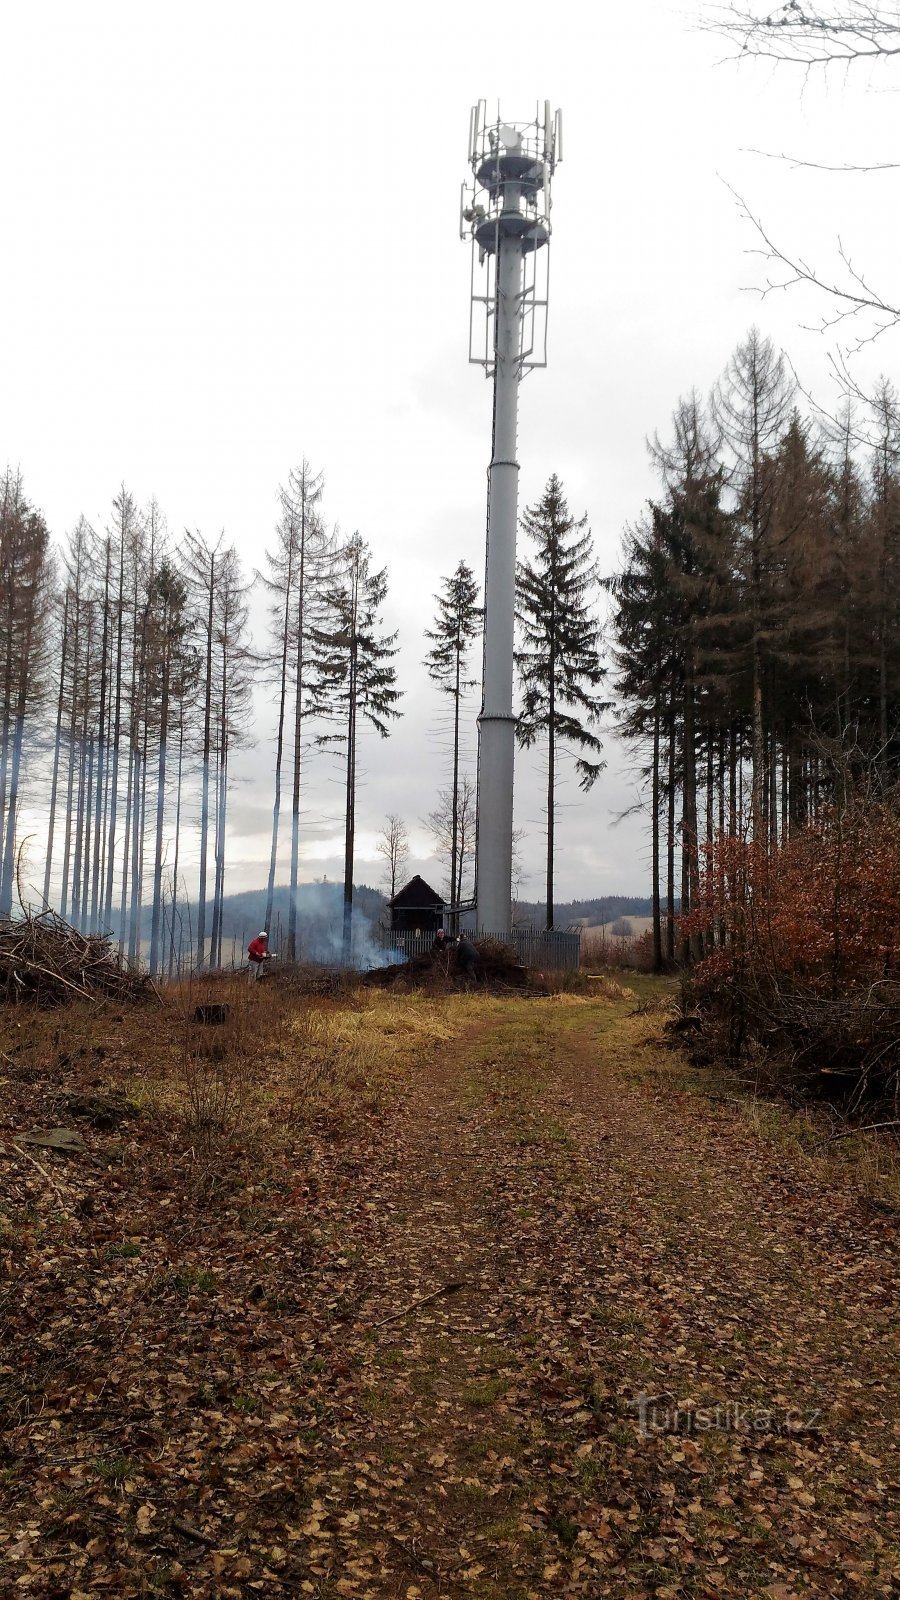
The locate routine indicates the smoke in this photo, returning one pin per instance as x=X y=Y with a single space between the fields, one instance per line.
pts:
x=320 y=930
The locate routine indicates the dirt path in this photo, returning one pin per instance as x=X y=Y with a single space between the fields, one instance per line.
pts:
x=614 y=1243
x=670 y=1367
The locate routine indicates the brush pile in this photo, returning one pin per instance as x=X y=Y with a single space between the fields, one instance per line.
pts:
x=44 y=961
x=499 y=970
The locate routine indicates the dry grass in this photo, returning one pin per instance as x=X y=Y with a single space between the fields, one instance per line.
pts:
x=282 y=1059
x=810 y=1136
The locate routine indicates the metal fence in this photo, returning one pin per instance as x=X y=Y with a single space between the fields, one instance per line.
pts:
x=548 y=952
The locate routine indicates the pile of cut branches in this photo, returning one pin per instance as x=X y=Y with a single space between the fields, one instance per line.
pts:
x=499 y=970
x=44 y=961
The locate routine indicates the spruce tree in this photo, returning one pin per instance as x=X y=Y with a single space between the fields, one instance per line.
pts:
x=646 y=655
x=294 y=578
x=355 y=679
x=559 y=656
x=457 y=623
x=168 y=623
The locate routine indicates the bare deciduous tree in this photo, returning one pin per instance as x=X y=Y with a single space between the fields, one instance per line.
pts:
x=393 y=846
x=448 y=822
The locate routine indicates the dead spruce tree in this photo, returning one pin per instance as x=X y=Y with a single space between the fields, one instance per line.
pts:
x=558 y=658
x=25 y=582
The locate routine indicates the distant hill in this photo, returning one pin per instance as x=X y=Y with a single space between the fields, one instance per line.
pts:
x=606 y=908
x=245 y=913
x=319 y=917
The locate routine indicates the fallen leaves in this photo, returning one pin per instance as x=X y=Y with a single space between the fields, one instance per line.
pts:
x=250 y=1383
x=144 y=1518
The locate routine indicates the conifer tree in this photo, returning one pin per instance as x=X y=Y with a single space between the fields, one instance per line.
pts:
x=753 y=403
x=203 y=566
x=457 y=623
x=559 y=656
x=167 y=627
x=355 y=680
x=644 y=648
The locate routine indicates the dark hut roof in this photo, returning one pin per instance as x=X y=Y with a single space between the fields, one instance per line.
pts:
x=417 y=895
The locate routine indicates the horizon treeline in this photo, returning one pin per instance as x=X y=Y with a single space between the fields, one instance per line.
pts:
x=128 y=675
x=754 y=625
x=752 y=641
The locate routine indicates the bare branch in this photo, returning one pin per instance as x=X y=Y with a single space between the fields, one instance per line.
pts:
x=797 y=162
x=810 y=35
x=853 y=296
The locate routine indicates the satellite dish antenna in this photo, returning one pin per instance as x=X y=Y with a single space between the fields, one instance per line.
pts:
x=509 y=137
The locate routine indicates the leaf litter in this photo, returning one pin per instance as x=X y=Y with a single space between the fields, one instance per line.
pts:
x=528 y=1321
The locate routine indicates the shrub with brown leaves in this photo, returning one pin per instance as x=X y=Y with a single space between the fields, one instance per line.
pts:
x=801 y=951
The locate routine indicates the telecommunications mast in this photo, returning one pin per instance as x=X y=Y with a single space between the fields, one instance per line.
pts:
x=505 y=210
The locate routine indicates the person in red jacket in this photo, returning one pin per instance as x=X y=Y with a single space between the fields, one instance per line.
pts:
x=258 y=953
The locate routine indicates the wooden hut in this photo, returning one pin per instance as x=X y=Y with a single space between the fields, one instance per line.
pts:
x=416 y=908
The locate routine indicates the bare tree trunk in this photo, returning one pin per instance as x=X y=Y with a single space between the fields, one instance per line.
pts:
x=75 y=908
x=350 y=818
x=86 y=850
x=70 y=783
x=298 y=735
x=75 y=897
x=654 y=801
x=134 y=902
x=204 y=801
x=7 y=701
x=220 y=858
x=101 y=751
x=9 y=854
x=551 y=793
x=138 y=810
x=455 y=864
x=177 y=841
x=126 y=849
x=116 y=744
x=279 y=743
x=670 y=843
x=733 y=763
x=692 y=948
x=54 y=784
x=155 y=928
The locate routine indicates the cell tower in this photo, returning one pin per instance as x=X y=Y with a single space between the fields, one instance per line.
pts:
x=505 y=210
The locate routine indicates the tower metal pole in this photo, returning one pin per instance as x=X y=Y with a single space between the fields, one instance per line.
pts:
x=497 y=724
x=506 y=213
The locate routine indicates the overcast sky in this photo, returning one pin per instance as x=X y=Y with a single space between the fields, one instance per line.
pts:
x=231 y=240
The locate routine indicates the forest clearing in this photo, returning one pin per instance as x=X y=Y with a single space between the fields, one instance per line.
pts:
x=377 y=1294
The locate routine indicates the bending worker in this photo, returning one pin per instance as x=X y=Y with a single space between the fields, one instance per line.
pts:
x=257 y=954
